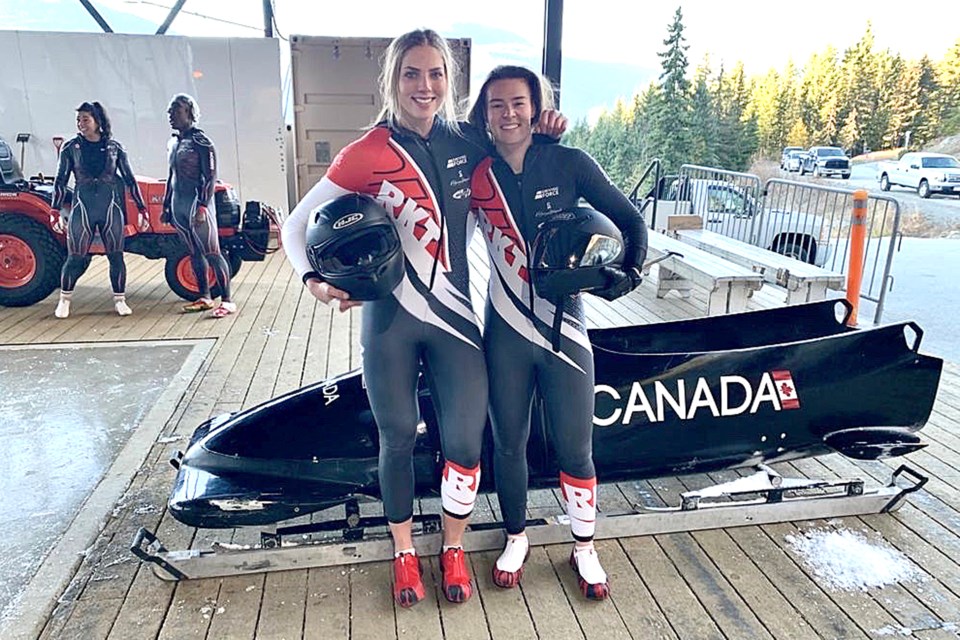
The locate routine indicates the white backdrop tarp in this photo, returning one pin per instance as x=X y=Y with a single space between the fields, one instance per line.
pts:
x=236 y=82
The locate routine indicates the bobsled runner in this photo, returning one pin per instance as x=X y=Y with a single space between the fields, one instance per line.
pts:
x=692 y=396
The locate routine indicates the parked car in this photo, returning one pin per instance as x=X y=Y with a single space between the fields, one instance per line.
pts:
x=731 y=210
x=794 y=160
x=826 y=162
x=928 y=173
x=785 y=155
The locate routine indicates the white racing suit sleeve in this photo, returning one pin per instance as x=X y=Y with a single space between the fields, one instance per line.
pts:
x=294 y=231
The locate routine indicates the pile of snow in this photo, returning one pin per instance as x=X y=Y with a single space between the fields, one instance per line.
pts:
x=846 y=560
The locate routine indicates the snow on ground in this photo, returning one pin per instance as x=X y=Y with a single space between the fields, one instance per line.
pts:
x=847 y=560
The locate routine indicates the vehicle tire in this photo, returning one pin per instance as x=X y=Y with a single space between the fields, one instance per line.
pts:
x=30 y=261
x=181 y=279
x=923 y=190
x=799 y=250
x=234 y=261
x=884 y=183
x=845 y=176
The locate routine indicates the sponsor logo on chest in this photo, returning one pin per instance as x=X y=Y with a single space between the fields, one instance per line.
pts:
x=456 y=162
x=549 y=192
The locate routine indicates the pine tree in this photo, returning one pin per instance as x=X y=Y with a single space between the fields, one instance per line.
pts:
x=703 y=122
x=948 y=77
x=670 y=112
x=926 y=123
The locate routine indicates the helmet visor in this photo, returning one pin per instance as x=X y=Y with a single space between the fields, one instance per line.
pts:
x=595 y=250
x=360 y=252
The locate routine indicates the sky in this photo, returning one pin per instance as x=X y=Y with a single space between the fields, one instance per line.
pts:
x=609 y=46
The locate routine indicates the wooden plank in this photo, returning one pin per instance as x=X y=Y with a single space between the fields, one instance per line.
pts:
x=282 y=607
x=234 y=615
x=507 y=616
x=634 y=603
x=328 y=615
x=550 y=607
x=687 y=616
x=371 y=604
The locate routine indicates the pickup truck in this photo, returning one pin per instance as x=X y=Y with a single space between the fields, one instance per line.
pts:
x=731 y=210
x=928 y=173
x=826 y=161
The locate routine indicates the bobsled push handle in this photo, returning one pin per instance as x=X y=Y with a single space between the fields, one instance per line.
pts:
x=137 y=548
x=897 y=500
x=917 y=330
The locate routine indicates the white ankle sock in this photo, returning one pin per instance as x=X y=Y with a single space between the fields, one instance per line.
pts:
x=120 y=304
x=514 y=553
x=588 y=565
x=63 y=307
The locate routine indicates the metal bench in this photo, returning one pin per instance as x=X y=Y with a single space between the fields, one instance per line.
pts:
x=804 y=282
x=728 y=285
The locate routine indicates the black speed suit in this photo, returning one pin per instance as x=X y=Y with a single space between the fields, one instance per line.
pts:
x=429 y=318
x=100 y=171
x=190 y=185
x=517 y=335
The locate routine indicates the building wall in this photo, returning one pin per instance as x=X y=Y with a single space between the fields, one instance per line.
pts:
x=236 y=82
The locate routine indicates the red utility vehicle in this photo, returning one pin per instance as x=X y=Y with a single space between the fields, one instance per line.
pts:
x=32 y=253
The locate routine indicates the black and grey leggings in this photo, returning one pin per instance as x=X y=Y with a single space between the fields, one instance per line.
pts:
x=517 y=368
x=202 y=242
x=96 y=207
x=394 y=346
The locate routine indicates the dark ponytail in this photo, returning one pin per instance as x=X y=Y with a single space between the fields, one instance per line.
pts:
x=96 y=110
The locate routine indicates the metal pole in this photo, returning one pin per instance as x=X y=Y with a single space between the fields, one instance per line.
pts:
x=552 y=40
x=267 y=19
x=174 y=10
x=96 y=16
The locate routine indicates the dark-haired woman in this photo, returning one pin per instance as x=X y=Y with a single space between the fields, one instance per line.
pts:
x=416 y=162
x=512 y=191
x=101 y=170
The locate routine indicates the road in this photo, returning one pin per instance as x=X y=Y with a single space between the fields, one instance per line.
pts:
x=941 y=210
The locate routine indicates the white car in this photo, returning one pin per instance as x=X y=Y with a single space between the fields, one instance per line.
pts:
x=928 y=173
x=794 y=160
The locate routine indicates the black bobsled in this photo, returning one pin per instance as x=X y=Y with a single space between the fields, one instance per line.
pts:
x=674 y=398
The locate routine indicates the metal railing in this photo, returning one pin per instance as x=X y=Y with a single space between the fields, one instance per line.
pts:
x=806 y=221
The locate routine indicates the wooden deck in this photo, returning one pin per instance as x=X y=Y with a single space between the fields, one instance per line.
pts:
x=738 y=583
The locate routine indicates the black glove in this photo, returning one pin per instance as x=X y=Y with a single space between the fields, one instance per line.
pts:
x=619 y=282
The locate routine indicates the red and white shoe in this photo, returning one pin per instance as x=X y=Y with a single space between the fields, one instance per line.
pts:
x=508 y=568
x=407 y=580
x=590 y=575
x=456 y=575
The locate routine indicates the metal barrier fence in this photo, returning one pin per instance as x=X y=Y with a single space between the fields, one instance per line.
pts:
x=807 y=221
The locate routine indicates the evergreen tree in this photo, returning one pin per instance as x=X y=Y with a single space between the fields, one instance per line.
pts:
x=926 y=122
x=948 y=77
x=670 y=111
x=703 y=122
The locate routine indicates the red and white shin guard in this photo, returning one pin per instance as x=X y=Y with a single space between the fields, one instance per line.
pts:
x=580 y=501
x=458 y=489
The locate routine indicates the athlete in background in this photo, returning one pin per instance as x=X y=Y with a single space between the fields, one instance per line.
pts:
x=188 y=203
x=101 y=170
x=416 y=161
x=512 y=191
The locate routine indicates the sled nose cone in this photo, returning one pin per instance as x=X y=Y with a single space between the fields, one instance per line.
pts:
x=872 y=443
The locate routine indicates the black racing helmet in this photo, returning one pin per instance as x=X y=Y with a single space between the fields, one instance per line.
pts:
x=569 y=251
x=353 y=245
